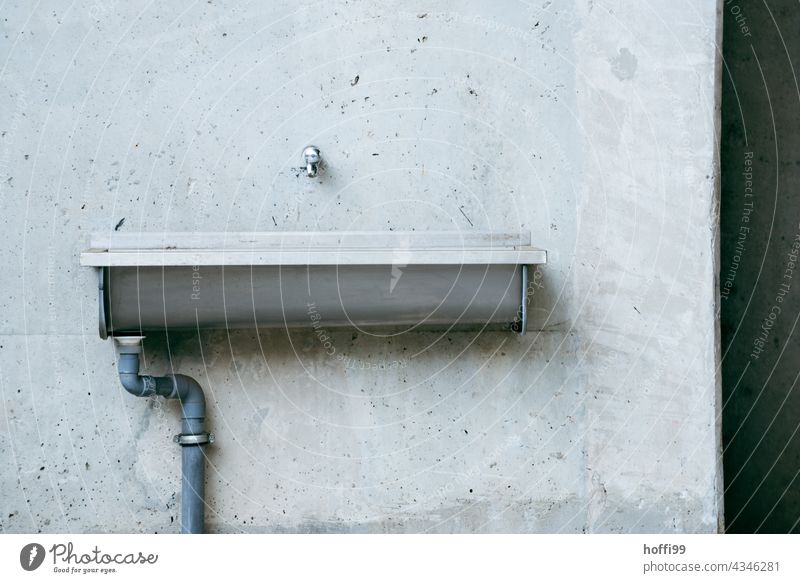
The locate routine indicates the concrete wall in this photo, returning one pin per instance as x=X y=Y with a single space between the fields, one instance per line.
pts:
x=760 y=244
x=590 y=123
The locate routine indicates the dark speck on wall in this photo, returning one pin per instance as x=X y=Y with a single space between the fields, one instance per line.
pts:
x=119 y=224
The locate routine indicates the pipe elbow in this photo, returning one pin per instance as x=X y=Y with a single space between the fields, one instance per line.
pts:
x=190 y=394
x=128 y=369
x=141 y=385
x=134 y=384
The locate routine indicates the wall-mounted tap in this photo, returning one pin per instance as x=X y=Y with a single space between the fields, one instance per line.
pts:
x=312 y=158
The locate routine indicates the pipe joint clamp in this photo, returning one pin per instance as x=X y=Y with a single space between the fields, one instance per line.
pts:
x=194 y=438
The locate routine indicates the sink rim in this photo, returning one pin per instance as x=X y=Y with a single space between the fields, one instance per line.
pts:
x=284 y=248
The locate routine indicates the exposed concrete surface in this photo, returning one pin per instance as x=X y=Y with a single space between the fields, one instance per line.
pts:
x=760 y=244
x=590 y=123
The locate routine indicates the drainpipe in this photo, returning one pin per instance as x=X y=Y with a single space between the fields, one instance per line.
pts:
x=193 y=436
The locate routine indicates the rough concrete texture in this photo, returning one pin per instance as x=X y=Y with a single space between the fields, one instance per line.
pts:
x=590 y=123
x=760 y=246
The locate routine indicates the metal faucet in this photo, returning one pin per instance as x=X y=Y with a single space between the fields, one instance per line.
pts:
x=313 y=160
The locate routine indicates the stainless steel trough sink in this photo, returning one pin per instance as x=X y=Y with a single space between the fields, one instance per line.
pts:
x=173 y=281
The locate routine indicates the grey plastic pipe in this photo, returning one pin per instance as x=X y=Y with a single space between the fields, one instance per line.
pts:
x=193 y=436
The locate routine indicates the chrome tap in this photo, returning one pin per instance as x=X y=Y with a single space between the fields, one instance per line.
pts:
x=313 y=160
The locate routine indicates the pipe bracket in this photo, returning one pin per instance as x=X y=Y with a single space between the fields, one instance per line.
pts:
x=194 y=439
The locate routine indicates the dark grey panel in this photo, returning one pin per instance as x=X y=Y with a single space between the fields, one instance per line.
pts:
x=156 y=298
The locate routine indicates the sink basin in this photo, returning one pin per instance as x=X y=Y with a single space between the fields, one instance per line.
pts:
x=172 y=281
